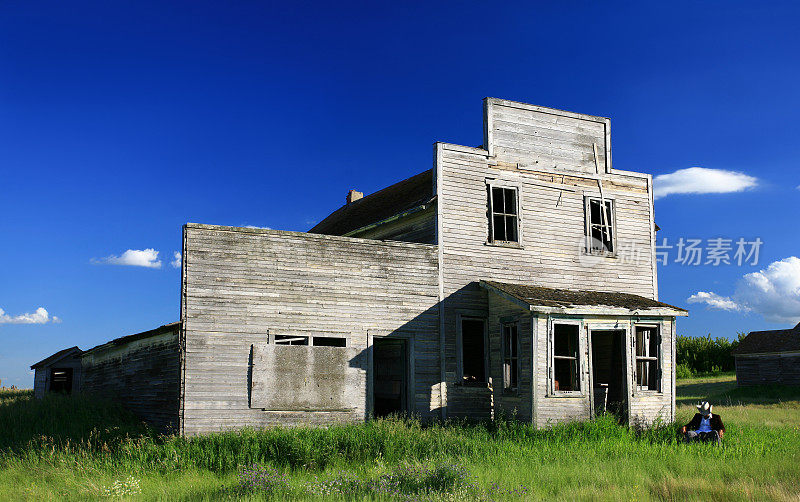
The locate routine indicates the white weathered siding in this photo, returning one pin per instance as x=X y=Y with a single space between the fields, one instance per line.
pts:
x=548 y=156
x=643 y=406
x=510 y=403
x=540 y=137
x=242 y=285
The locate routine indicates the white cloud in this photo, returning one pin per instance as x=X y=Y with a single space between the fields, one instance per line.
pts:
x=132 y=257
x=714 y=301
x=40 y=316
x=254 y=226
x=176 y=260
x=773 y=292
x=798 y=187
x=701 y=180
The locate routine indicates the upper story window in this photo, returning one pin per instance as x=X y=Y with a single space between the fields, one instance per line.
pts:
x=600 y=229
x=503 y=215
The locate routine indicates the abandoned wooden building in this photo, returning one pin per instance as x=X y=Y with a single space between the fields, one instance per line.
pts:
x=769 y=357
x=516 y=278
x=60 y=372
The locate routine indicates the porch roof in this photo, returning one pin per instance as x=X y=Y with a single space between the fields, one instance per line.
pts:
x=566 y=301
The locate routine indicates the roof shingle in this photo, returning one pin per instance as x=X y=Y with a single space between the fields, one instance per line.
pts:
x=538 y=296
x=392 y=200
x=776 y=340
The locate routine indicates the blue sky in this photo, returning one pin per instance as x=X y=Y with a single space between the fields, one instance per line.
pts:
x=120 y=121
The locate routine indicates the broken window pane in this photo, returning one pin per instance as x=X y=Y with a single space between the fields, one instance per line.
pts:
x=510 y=201
x=499 y=228
x=497 y=201
x=291 y=340
x=600 y=226
x=330 y=341
x=566 y=374
x=473 y=358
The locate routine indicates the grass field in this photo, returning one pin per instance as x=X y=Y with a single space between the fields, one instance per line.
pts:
x=63 y=448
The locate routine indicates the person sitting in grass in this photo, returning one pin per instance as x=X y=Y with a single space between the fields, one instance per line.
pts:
x=705 y=426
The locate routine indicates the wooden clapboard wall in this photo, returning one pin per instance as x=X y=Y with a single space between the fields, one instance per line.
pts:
x=548 y=155
x=142 y=375
x=242 y=286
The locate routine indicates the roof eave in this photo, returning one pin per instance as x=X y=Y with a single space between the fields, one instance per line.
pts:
x=608 y=310
x=585 y=309
x=395 y=217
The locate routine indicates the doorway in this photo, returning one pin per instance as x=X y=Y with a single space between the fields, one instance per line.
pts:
x=390 y=376
x=608 y=373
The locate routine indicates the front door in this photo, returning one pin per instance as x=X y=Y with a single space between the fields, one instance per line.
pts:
x=390 y=376
x=609 y=390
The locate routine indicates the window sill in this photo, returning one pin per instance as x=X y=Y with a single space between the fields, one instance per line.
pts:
x=575 y=394
x=503 y=244
x=613 y=256
x=644 y=392
x=474 y=385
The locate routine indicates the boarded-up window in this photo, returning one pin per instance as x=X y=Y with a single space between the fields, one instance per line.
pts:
x=503 y=215
x=510 y=356
x=473 y=350
x=648 y=368
x=566 y=360
x=600 y=226
x=307 y=378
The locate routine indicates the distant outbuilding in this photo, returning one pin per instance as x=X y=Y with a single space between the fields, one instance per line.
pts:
x=769 y=357
x=60 y=372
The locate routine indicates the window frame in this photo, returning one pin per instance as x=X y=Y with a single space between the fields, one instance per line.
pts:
x=659 y=359
x=505 y=356
x=581 y=359
x=587 y=231
x=491 y=184
x=460 y=318
x=291 y=339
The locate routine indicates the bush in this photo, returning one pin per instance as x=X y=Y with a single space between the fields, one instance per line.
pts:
x=704 y=354
x=683 y=371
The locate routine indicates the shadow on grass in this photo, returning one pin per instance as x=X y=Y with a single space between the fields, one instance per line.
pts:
x=64 y=419
x=726 y=392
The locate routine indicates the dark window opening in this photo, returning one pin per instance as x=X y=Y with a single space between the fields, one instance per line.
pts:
x=566 y=363
x=503 y=221
x=648 y=371
x=473 y=353
x=330 y=341
x=600 y=226
x=510 y=356
x=291 y=340
x=61 y=380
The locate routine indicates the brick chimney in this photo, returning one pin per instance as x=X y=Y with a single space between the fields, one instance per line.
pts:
x=353 y=196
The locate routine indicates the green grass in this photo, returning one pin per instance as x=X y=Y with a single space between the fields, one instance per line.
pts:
x=64 y=448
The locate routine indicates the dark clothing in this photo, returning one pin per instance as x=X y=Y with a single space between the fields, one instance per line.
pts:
x=704 y=437
x=716 y=423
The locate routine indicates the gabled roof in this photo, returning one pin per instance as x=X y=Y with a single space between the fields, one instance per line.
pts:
x=776 y=340
x=392 y=200
x=137 y=336
x=61 y=354
x=567 y=301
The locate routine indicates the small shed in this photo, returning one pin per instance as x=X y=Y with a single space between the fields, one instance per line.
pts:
x=769 y=357
x=60 y=372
